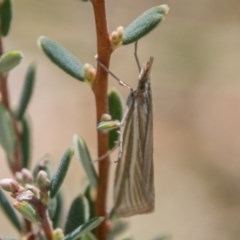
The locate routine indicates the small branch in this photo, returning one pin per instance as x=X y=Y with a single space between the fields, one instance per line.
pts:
x=4 y=98
x=4 y=90
x=42 y=211
x=46 y=225
x=100 y=92
x=17 y=164
x=28 y=226
x=3 y=84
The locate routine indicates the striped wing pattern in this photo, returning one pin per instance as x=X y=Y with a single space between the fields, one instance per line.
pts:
x=134 y=186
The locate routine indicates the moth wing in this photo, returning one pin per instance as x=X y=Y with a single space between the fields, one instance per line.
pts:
x=146 y=126
x=132 y=192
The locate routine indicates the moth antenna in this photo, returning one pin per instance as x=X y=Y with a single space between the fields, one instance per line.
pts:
x=122 y=83
x=136 y=56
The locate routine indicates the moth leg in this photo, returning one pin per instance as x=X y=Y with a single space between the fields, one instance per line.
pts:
x=136 y=56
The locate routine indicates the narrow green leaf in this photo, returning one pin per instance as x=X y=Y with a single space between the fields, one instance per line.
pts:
x=78 y=214
x=62 y=58
x=10 y=60
x=27 y=91
x=6 y=16
x=86 y=160
x=55 y=209
x=61 y=172
x=89 y=236
x=9 y=211
x=85 y=228
x=27 y=210
x=43 y=164
x=90 y=194
x=107 y=126
x=144 y=24
x=7 y=134
x=25 y=142
x=115 y=106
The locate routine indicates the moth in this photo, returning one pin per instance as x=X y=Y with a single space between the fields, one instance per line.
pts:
x=134 y=176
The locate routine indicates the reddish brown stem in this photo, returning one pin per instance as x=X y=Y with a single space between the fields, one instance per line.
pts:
x=44 y=217
x=28 y=226
x=100 y=92
x=16 y=163
x=46 y=225
x=3 y=83
x=4 y=93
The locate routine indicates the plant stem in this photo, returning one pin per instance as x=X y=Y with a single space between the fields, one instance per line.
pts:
x=42 y=211
x=4 y=98
x=46 y=225
x=100 y=92
x=4 y=91
x=3 y=84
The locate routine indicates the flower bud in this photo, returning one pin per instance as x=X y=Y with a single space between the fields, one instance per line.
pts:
x=116 y=37
x=10 y=185
x=43 y=180
x=89 y=72
x=58 y=234
x=106 y=117
x=27 y=175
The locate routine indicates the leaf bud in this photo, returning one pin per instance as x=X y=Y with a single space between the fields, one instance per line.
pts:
x=27 y=210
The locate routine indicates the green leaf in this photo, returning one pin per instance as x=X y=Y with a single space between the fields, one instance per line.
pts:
x=10 y=60
x=27 y=91
x=61 y=172
x=84 y=156
x=89 y=236
x=9 y=211
x=28 y=211
x=6 y=16
x=144 y=24
x=7 y=134
x=90 y=194
x=55 y=209
x=78 y=214
x=62 y=58
x=84 y=229
x=25 y=142
x=58 y=210
x=42 y=164
x=107 y=126
x=116 y=111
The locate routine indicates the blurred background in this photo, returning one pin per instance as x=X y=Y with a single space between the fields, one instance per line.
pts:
x=196 y=99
